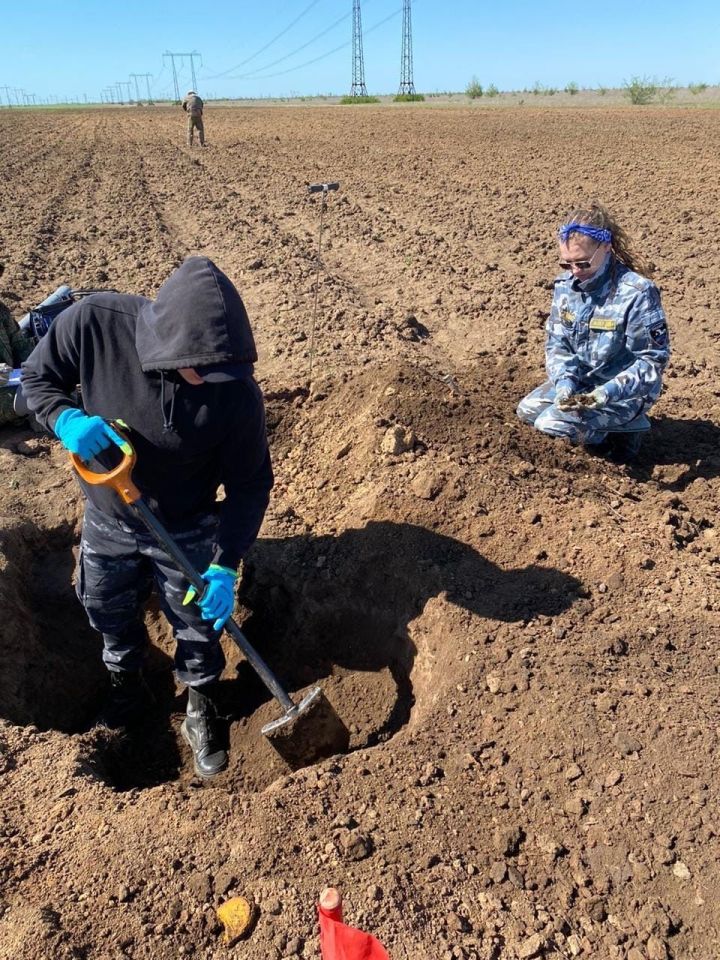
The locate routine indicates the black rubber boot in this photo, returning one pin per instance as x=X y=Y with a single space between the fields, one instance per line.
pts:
x=129 y=701
x=625 y=447
x=202 y=730
x=618 y=447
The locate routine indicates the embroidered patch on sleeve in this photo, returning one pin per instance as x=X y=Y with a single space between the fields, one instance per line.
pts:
x=659 y=335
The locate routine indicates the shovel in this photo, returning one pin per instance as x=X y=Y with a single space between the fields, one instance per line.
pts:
x=306 y=731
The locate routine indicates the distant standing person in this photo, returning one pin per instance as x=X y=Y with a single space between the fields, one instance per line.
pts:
x=607 y=341
x=193 y=106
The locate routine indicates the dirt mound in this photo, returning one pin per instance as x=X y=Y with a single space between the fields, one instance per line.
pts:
x=518 y=637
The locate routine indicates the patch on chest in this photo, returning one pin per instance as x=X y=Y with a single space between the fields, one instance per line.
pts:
x=603 y=323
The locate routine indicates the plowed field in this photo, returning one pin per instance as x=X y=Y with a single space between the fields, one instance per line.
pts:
x=520 y=638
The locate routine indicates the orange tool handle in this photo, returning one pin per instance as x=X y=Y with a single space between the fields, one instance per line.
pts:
x=119 y=478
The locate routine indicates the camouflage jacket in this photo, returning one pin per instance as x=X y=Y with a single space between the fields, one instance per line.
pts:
x=612 y=333
x=14 y=348
x=14 y=345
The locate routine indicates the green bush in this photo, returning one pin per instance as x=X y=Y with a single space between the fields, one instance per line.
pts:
x=538 y=89
x=492 y=91
x=571 y=88
x=640 y=90
x=666 y=90
x=474 y=89
x=696 y=88
x=408 y=98
x=602 y=91
x=347 y=100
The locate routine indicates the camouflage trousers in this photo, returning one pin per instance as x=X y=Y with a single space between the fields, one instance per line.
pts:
x=581 y=425
x=117 y=568
x=195 y=123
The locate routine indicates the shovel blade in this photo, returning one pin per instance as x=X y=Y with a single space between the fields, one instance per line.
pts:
x=311 y=731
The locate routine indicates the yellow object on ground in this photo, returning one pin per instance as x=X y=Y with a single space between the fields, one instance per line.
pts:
x=236 y=916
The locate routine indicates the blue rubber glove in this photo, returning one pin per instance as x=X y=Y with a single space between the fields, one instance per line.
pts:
x=218 y=598
x=86 y=436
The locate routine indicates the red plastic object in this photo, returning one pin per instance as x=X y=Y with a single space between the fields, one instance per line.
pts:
x=340 y=942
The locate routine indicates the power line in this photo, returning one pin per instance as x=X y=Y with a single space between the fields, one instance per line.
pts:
x=156 y=78
x=262 y=49
x=256 y=74
x=323 y=56
x=287 y=56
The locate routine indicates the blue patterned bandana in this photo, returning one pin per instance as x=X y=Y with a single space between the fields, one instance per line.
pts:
x=597 y=233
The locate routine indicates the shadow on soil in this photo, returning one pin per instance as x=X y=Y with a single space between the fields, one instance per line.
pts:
x=320 y=606
x=694 y=444
x=320 y=603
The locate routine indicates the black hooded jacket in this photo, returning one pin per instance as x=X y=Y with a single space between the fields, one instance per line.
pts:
x=123 y=351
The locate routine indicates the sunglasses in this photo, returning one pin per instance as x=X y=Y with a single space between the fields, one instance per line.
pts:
x=579 y=264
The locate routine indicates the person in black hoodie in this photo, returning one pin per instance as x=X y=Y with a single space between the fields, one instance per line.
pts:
x=179 y=372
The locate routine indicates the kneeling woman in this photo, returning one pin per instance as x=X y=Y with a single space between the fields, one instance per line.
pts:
x=607 y=340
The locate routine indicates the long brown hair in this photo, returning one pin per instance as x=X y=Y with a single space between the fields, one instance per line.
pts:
x=595 y=215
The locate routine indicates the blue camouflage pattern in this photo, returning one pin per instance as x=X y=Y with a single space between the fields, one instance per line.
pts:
x=118 y=566
x=609 y=332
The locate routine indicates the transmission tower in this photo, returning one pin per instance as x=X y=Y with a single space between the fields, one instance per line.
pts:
x=358 y=88
x=175 y=81
x=139 y=76
x=192 y=69
x=406 y=57
x=124 y=83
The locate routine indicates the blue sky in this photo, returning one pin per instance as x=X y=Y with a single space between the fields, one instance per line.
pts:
x=79 y=48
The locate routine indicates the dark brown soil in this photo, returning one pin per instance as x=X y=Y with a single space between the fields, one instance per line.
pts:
x=519 y=639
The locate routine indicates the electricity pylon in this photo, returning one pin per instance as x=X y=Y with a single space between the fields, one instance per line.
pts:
x=192 y=69
x=139 y=76
x=406 y=57
x=358 y=88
